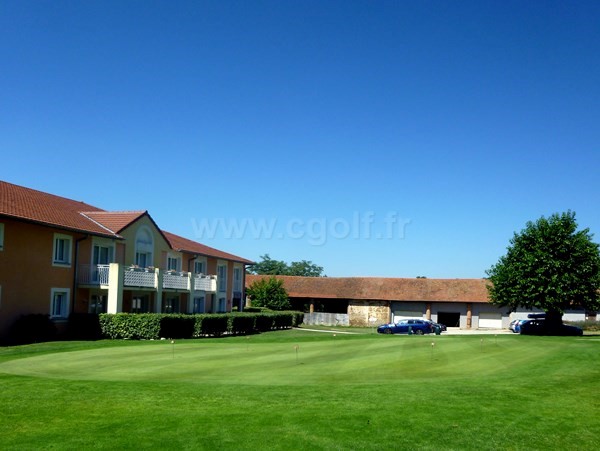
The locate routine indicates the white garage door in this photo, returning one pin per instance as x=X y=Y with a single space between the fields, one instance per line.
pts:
x=490 y=320
x=406 y=314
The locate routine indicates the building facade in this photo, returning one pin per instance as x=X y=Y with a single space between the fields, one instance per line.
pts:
x=371 y=301
x=59 y=256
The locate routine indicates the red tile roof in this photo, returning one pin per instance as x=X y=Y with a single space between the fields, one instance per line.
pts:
x=181 y=244
x=114 y=220
x=36 y=206
x=387 y=289
x=43 y=208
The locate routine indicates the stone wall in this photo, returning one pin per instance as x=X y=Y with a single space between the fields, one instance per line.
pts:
x=326 y=319
x=368 y=313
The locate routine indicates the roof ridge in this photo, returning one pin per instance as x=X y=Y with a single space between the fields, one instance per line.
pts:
x=97 y=223
x=115 y=211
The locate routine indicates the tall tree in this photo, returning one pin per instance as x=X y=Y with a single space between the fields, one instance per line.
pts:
x=549 y=265
x=268 y=266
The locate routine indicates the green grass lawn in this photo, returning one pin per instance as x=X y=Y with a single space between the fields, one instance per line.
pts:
x=304 y=390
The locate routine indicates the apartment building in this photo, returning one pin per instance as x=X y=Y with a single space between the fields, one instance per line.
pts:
x=59 y=256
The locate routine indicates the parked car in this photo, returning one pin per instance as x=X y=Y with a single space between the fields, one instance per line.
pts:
x=515 y=325
x=441 y=326
x=538 y=327
x=405 y=326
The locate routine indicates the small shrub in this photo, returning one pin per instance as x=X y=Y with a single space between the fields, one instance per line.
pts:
x=177 y=326
x=213 y=325
x=84 y=326
x=269 y=293
x=589 y=325
x=33 y=328
x=241 y=323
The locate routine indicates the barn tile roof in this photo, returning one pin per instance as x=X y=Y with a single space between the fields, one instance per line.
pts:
x=383 y=288
x=181 y=244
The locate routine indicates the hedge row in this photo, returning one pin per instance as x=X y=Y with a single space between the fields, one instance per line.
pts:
x=153 y=326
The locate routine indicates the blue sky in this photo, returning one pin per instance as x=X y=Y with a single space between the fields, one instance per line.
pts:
x=375 y=138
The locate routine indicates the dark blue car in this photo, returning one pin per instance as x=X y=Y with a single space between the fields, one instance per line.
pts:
x=405 y=326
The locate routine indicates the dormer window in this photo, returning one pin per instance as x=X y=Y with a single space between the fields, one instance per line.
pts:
x=144 y=247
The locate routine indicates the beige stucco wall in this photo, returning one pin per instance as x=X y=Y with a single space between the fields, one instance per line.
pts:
x=161 y=247
x=368 y=313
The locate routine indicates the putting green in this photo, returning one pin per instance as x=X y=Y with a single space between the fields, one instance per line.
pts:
x=370 y=360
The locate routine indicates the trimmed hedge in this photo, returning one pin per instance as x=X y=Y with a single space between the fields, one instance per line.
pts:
x=153 y=326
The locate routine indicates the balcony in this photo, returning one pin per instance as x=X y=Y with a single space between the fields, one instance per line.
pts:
x=203 y=282
x=176 y=280
x=93 y=275
x=136 y=277
x=139 y=277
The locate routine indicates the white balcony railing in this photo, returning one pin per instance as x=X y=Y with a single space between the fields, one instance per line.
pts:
x=134 y=276
x=176 y=280
x=203 y=282
x=139 y=277
x=93 y=274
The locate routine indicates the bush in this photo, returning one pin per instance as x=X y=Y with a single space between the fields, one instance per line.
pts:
x=241 y=323
x=84 y=326
x=177 y=326
x=589 y=325
x=213 y=325
x=255 y=309
x=151 y=326
x=134 y=326
x=33 y=328
x=269 y=293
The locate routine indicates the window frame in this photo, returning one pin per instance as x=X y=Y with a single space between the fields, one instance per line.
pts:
x=199 y=300
x=222 y=278
x=144 y=249
x=172 y=258
x=61 y=237
x=200 y=261
x=65 y=303
x=238 y=283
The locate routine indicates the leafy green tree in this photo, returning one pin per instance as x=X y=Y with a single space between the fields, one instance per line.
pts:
x=270 y=293
x=305 y=268
x=549 y=265
x=268 y=266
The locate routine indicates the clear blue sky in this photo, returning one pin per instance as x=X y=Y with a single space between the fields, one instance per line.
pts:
x=462 y=120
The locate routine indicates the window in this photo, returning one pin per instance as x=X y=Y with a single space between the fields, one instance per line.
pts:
x=237 y=279
x=222 y=277
x=200 y=266
x=221 y=306
x=62 y=250
x=171 y=305
x=144 y=247
x=139 y=304
x=198 y=306
x=1 y=236
x=102 y=255
x=59 y=308
x=97 y=304
x=173 y=263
